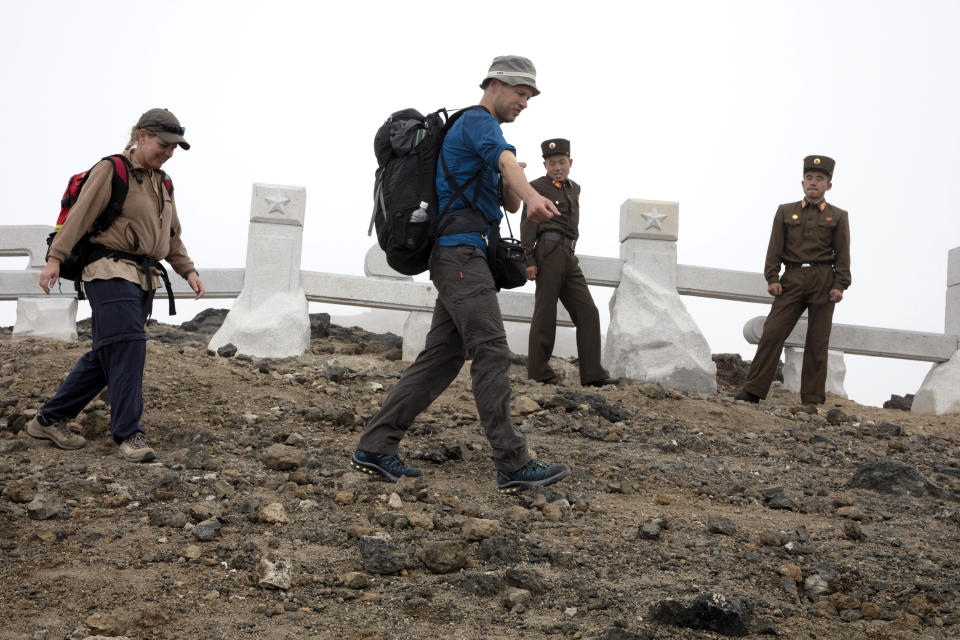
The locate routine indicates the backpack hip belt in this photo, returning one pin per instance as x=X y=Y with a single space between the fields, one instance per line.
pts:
x=463 y=221
x=143 y=262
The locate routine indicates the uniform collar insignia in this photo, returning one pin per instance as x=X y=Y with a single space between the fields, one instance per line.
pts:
x=558 y=185
x=820 y=205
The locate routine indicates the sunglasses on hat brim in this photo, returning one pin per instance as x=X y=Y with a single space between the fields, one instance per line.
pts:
x=169 y=128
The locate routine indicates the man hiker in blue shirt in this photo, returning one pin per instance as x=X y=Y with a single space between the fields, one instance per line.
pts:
x=466 y=323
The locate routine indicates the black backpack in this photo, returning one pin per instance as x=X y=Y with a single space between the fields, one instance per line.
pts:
x=407 y=147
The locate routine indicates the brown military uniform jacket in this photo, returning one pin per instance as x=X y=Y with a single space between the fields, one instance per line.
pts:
x=566 y=198
x=805 y=233
x=147 y=225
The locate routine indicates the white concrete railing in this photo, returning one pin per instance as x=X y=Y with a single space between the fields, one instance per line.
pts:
x=646 y=276
x=869 y=341
x=31 y=240
x=360 y=291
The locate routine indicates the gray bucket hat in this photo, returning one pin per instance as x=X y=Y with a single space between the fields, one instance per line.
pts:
x=163 y=124
x=512 y=70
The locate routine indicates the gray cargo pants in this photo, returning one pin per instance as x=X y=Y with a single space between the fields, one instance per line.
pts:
x=466 y=324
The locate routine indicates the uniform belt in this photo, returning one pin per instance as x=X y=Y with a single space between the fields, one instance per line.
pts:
x=559 y=238
x=804 y=265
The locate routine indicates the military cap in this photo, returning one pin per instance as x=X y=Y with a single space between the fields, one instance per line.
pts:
x=555 y=147
x=823 y=164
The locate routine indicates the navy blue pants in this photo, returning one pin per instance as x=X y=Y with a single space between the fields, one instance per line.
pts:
x=120 y=311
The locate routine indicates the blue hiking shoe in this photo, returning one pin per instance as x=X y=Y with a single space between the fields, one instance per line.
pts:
x=387 y=465
x=532 y=474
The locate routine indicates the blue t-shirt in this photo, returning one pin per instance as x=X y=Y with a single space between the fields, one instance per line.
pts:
x=474 y=139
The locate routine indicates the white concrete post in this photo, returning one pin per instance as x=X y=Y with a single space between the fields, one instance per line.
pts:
x=940 y=391
x=793 y=367
x=951 y=324
x=40 y=316
x=415 y=331
x=417 y=324
x=270 y=318
x=43 y=317
x=651 y=335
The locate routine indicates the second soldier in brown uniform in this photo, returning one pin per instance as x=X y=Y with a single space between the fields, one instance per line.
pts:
x=552 y=264
x=811 y=238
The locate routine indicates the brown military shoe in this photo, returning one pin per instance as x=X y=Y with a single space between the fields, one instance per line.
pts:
x=746 y=396
x=58 y=433
x=136 y=449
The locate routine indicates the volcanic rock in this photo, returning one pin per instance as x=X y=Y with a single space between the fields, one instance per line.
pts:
x=729 y=616
x=445 y=556
x=893 y=477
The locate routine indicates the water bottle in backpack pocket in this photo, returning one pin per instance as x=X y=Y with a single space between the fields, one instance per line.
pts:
x=416 y=227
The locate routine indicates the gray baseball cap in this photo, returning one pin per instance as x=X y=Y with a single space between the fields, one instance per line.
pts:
x=163 y=124
x=512 y=70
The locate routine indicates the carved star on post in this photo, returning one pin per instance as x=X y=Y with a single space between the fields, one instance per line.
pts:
x=277 y=204
x=653 y=219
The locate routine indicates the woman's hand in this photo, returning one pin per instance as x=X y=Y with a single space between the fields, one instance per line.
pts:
x=49 y=275
x=196 y=284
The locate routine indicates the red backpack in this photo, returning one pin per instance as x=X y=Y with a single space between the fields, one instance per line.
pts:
x=85 y=251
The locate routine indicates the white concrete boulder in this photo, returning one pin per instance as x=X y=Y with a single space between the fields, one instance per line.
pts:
x=940 y=391
x=46 y=318
x=793 y=367
x=652 y=337
x=277 y=328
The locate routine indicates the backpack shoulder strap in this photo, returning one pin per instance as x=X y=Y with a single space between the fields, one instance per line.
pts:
x=456 y=116
x=121 y=166
x=168 y=184
x=460 y=191
x=119 y=186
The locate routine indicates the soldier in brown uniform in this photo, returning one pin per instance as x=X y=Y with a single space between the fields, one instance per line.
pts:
x=552 y=264
x=811 y=238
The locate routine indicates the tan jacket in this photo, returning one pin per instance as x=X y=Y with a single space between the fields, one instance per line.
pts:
x=147 y=225
x=807 y=234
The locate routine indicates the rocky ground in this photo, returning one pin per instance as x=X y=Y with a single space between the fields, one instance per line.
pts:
x=684 y=517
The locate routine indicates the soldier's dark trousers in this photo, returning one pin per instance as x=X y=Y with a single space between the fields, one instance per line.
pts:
x=120 y=310
x=803 y=289
x=466 y=324
x=559 y=278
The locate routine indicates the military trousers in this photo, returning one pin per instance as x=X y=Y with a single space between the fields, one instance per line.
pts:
x=559 y=278
x=466 y=325
x=804 y=289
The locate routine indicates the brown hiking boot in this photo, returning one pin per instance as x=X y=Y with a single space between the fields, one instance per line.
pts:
x=136 y=449
x=58 y=433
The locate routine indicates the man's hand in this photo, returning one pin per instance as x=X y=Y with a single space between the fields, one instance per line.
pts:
x=836 y=295
x=49 y=275
x=774 y=289
x=517 y=190
x=196 y=284
x=531 y=273
x=540 y=209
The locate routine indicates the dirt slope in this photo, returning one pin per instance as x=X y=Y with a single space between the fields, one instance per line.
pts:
x=671 y=498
